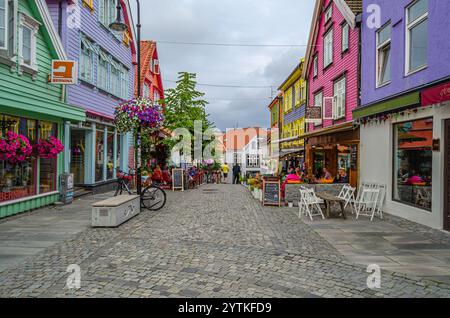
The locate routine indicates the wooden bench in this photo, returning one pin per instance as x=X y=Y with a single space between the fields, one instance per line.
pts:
x=115 y=211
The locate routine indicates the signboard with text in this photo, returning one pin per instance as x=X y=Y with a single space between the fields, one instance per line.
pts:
x=313 y=115
x=64 y=72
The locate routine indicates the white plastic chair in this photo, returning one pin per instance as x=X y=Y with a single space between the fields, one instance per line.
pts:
x=368 y=203
x=310 y=204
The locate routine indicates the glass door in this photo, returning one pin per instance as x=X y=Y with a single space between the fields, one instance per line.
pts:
x=77 y=162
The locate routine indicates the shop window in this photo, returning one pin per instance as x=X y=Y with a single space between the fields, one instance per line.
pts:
x=78 y=153
x=110 y=154
x=413 y=158
x=99 y=153
x=17 y=180
x=119 y=152
x=48 y=167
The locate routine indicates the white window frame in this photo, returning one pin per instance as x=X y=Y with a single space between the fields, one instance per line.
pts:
x=409 y=26
x=321 y=105
x=124 y=83
x=6 y=30
x=33 y=25
x=115 y=80
x=90 y=66
x=146 y=91
x=380 y=47
x=339 y=98
x=329 y=13
x=328 y=37
x=103 y=81
x=316 y=65
x=345 y=36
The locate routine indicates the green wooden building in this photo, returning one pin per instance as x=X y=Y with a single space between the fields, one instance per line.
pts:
x=29 y=104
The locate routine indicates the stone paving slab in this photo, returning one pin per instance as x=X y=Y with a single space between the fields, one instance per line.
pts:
x=205 y=244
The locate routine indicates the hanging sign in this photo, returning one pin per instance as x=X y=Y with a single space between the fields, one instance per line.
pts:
x=436 y=95
x=64 y=72
x=313 y=115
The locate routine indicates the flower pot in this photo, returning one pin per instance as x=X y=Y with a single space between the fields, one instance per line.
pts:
x=291 y=204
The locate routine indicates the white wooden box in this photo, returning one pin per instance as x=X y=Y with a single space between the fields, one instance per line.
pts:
x=115 y=211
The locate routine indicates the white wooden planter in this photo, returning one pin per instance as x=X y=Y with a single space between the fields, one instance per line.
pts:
x=115 y=211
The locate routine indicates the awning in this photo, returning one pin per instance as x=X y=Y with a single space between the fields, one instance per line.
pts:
x=40 y=106
x=436 y=95
x=286 y=140
x=330 y=130
x=290 y=152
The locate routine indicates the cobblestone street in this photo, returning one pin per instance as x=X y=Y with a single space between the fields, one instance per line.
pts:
x=216 y=241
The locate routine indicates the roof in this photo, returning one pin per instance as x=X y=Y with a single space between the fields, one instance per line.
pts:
x=293 y=77
x=275 y=101
x=147 y=50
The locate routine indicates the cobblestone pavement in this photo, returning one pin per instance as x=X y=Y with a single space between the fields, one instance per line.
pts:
x=216 y=241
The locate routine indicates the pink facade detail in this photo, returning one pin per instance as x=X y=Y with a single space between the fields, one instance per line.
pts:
x=344 y=64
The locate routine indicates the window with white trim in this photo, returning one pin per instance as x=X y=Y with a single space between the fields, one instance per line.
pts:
x=328 y=48
x=384 y=55
x=103 y=76
x=316 y=65
x=329 y=13
x=318 y=102
x=107 y=11
x=345 y=37
x=124 y=83
x=146 y=91
x=29 y=28
x=339 y=98
x=115 y=79
x=86 y=60
x=156 y=96
x=416 y=36
x=3 y=24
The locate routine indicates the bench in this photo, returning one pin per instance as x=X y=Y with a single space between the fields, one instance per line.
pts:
x=115 y=211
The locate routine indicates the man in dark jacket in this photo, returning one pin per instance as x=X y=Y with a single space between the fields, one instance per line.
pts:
x=236 y=174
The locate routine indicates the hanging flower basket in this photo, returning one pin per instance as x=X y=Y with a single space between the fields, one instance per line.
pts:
x=15 y=148
x=49 y=148
x=138 y=112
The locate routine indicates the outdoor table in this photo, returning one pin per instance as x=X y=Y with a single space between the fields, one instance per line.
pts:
x=329 y=199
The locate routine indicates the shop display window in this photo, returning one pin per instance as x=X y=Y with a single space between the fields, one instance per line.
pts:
x=110 y=154
x=48 y=167
x=99 y=153
x=413 y=158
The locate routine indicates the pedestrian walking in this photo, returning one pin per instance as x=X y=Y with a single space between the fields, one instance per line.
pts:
x=236 y=174
x=225 y=170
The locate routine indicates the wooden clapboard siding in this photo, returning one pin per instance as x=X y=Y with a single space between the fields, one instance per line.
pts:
x=84 y=94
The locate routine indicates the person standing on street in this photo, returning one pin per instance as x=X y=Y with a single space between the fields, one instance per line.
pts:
x=225 y=170
x=236 y=174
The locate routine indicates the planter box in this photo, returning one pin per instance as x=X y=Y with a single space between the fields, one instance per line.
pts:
x=115 y=211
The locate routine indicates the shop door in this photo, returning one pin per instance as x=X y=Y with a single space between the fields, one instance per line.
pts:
x=447 y=177
x=77 y=151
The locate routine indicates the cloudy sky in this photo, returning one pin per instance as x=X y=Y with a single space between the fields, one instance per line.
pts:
x=275 y=22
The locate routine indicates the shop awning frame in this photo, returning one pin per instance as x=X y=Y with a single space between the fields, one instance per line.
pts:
x=348 y=126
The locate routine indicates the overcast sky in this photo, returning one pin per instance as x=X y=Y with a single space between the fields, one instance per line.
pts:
x=236 y=22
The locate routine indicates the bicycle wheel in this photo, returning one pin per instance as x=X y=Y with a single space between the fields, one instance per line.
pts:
x=153 y=198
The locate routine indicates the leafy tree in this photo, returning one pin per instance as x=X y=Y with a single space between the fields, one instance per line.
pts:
x=183 y=106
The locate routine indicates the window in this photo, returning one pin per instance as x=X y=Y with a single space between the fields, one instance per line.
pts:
x=3 y=23
x=328 y=48
x=252 y=161
x=287 y=101
x=316 y=65
x=146 y=91
x=293 y=97
x=99 y=152
x=339 y=98
x=48 y=167
x=328 y=13
x=155 y=96
x=103 y=78
x=124 y=83
x=115 y=79
x=318 y=102
x=384 y=55
x=86 y=60
x=27 y=43
x=345 y=37
x=413 y=164
x=110 y=154
x=416 y=36
x=107 y=11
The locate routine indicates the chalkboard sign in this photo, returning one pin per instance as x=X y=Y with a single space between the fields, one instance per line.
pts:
x=177 y=179
x=354 y=157
x=272 y=193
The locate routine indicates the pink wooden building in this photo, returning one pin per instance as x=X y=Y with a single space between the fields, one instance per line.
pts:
x=332 y=71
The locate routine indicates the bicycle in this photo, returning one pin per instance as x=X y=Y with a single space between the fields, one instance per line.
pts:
x=153 y=197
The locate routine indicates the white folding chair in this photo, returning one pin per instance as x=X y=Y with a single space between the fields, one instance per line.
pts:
x=368 y=203
x=347 y=194
x=311 y=204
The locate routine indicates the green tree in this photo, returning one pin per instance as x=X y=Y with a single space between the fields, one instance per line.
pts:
x=183 y=106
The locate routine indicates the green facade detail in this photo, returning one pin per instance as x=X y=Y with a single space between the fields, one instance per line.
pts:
x=411 y=99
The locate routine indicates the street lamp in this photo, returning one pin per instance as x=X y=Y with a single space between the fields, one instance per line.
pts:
x=119 y=26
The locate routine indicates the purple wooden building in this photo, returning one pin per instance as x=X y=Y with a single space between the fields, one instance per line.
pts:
x=106 y=67
x=405 y=108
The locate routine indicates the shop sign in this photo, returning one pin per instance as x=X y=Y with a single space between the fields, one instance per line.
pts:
x=64 y=72
x=354 y=157
x=313 y=115
x=436 y=95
